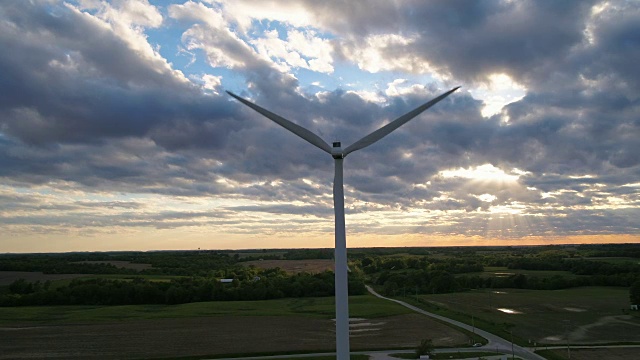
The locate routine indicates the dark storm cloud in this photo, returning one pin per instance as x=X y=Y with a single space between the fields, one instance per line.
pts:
x=69 y=79
x=513 y=37
x=469 y=40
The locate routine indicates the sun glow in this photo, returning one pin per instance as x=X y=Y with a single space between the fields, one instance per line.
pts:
x=499 y=91
x=486 y=172
x=498 y=190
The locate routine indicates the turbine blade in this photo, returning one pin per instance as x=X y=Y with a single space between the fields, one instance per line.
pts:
x=294 y=128
x=385 y=130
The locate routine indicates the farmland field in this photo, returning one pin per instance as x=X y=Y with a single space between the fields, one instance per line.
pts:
x=120 y=264
x=211 y=328
x=294 y=266
x=585 y=315
x=616 y=260
x=7 y=277
x=490 y=271
x=596 y=354
x=365 y=306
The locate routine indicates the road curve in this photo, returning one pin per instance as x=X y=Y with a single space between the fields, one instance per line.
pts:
x=495 y=342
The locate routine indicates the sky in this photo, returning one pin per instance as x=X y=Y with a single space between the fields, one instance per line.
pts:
x=116 y=132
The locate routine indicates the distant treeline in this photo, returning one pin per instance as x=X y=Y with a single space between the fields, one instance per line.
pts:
x=371 y=265
x=271 y=284
x=180 y=263
x=435 y=282
x=413 y=274
x=195 y=275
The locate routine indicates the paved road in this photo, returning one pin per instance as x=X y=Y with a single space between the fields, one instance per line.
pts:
x=496 y=343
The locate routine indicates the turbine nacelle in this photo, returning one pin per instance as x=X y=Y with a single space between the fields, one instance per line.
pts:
x=336 y=151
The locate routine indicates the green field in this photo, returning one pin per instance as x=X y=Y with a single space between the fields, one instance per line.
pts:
x=155 y=278
x=271 y=357
x=615 y=260
x=364 y=306
x=584 y=315
x=256 y=254
x=495 y=271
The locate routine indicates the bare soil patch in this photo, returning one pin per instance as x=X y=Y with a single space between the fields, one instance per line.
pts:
x=7 y=277
x=312 y=266
x=210 y=336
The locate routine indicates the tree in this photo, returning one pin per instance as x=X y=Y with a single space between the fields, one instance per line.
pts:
x=21 y=286
x=425 y=348
x=634 y=293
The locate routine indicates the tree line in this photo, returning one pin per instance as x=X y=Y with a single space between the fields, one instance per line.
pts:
x=394 y=271
x=273 y=284
x=426 y=275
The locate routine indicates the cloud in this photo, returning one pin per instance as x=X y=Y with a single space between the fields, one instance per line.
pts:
x=72 y=71
x=89 y=107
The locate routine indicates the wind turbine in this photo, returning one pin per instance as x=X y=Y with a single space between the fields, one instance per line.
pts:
x=341 y=281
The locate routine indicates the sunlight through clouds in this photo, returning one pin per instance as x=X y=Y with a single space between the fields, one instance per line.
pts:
x=500 y=90
x=486 y=172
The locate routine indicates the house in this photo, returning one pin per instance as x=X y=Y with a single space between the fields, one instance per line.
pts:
x=634 y=307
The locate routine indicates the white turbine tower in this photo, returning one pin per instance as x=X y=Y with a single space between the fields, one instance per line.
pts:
x=342 y=300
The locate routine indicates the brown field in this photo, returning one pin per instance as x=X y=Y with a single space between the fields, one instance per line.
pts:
x=214 y=335
x=599 y=354
x=7 y=277
x=312 y=266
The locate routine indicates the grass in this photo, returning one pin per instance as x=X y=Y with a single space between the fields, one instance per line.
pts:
x=495 y=271
x=542 y=313
x=464 y=355
x=332 y=357
x=404 y=355
x=612 y=260
x=449 y=355
x=462 y=317
x=257 y=254
x=365 y=306
x=154 y=278
x=551 y=355
x=124 y=277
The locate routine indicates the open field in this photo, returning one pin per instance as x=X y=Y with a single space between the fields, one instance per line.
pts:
x=352 y=357
x=585 y=315
x=615 y=260
x=212 y=328
x=7 y=277
x=447 y=355
x=256 y=254
x=120 y=264
x=364 y=306
x=494 y=271
x=294 y=266
x=593 y=354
